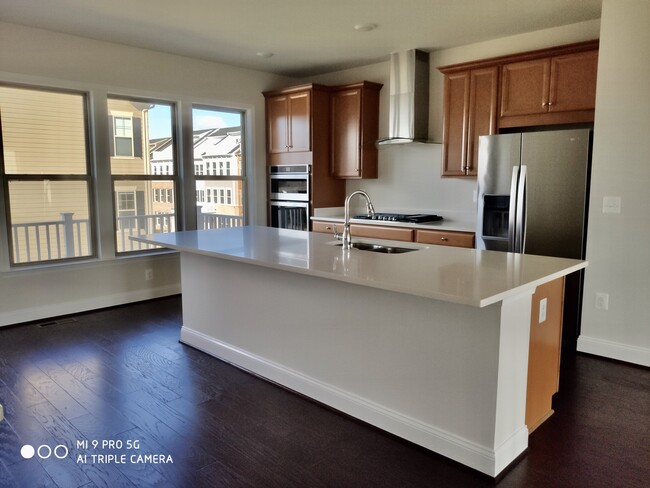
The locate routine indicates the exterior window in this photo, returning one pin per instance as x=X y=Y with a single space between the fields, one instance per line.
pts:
x=123 y=132
x=142 y=203
x=126 y=204
x=45 y=172
x=218 y=144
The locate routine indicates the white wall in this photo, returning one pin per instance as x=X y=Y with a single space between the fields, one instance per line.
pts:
x=46 y=58
x=618 y=245
x=409 y=175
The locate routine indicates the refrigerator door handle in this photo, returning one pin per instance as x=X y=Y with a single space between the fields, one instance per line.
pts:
x=512 y=210
x=520 y=231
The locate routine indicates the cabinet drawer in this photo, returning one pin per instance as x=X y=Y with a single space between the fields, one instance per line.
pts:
x=327 y=227
x=445 y=238
x=377 y=232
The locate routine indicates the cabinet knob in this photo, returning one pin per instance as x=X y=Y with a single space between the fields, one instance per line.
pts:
x=444 y=239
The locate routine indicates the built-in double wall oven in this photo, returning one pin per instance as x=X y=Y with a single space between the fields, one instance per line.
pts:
x=289 y=196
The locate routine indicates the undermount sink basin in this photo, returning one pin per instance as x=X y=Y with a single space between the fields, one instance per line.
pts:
x=363 y=246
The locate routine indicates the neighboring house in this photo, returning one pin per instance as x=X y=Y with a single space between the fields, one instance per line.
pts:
x=217 y=152
x=128 y=132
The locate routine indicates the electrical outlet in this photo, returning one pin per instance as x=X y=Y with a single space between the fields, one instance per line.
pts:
x=602 y=301
x=542 y=310
x=611 y=205
x=148 y=274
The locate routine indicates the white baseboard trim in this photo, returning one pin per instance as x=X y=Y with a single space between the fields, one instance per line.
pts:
x=483 y=459
x=614 y=350
x=104 y=301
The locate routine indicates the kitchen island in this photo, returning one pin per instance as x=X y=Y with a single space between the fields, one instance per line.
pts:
x=430 y=345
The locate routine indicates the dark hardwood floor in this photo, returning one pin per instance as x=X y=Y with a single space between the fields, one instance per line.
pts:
x=121 y=375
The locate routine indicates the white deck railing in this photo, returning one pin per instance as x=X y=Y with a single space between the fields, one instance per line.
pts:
x=69 y=237
x=46 y=241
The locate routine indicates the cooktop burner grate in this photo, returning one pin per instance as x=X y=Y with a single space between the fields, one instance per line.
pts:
x=395 y=217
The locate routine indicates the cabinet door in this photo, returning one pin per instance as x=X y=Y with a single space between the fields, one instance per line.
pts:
x=299 y=122
x=573 y=82
x=454 y=149
x=277 y=110
x=525 y=87
x=482 y=115
x=346 y=123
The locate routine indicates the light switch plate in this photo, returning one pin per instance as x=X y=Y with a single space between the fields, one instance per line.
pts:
x=611 y=205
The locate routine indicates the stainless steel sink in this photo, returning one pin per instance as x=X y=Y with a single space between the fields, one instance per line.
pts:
x=364 y=246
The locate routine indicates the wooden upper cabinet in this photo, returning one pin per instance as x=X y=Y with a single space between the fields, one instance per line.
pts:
x=469 y=112
x=299 y=136
x=289 y=122
x=298 y=132
x=277 y=115
x=573 y=82
x=546 y=87
x=355 y=129
x=525 y=87
x=454 y=136
x=552 y=90
x=482 y=120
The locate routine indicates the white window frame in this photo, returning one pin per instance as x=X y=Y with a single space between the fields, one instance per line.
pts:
x=86 y=177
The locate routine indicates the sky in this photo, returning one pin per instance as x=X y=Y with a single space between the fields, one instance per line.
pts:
x=160 y=120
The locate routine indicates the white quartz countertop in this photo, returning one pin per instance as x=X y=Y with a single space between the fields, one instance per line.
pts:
x=457 y=275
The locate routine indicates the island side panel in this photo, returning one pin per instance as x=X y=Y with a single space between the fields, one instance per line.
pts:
x=422 y=369
x=511 y=433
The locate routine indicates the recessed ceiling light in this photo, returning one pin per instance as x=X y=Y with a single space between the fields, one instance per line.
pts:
x=365 y=27
x=264 y=54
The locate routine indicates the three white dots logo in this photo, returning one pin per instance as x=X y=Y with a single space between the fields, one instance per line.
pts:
x=44 y=451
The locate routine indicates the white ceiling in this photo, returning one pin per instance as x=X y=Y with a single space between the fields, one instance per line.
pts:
x=307 y=37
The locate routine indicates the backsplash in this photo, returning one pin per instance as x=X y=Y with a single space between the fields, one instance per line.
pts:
x=409 y=180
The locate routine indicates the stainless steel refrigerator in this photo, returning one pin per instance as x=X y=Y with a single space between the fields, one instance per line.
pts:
x=532 y=198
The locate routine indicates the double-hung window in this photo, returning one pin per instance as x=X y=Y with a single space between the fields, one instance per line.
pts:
x=218 y=144
x=123 y=136
x=45 y=173
x=141 y=140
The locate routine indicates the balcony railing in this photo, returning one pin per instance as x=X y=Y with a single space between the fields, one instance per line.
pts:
x=70 y=238
x=141 y=225
x=217 y=221
x=47 y=241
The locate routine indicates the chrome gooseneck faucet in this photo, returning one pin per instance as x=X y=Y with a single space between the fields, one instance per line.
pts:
x=347 y=238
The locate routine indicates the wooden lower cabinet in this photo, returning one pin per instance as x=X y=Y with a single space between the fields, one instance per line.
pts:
x=544 y=353
x=406 y=234
x=326 y=227
x=378 y=232
x=445 y=238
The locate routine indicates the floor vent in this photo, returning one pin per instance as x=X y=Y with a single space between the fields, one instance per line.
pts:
x=48 y=323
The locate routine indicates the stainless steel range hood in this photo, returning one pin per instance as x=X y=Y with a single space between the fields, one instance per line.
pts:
x=409 y=98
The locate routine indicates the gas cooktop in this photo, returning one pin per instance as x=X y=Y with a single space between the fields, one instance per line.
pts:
x=395 y=217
